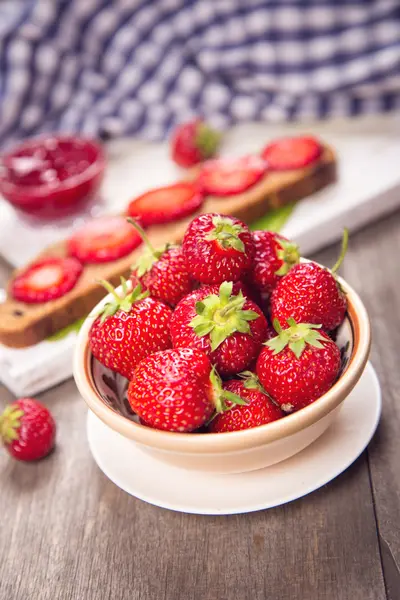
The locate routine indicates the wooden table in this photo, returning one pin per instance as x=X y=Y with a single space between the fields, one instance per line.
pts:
x=67 y=533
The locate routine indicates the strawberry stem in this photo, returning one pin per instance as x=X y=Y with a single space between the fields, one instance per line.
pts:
x=150 y=256
x=345 y=243
x=107 y=286
x=124 y=302
x=232 y=306
x=143 y=235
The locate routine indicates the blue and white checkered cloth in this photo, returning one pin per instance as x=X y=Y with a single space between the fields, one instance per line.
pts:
x=117 y=67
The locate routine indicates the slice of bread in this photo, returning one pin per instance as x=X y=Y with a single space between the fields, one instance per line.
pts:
x=27 y=324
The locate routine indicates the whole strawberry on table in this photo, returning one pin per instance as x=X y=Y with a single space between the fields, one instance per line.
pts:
x=27 y=430
x=226 y=332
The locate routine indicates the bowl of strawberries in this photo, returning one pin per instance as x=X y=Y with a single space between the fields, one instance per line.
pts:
x=226 y=353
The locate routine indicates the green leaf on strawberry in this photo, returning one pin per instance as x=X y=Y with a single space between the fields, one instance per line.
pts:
x=207 y=140
x=222 y=315
x=226 y=233
x=289 y=255
x=251 y=381
x=10 y=422
x=123 y=302
x=221 y=395
x=296 y=337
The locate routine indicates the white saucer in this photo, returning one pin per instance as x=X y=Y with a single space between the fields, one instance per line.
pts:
x=201 y=493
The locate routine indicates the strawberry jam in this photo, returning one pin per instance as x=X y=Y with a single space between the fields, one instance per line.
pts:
x=51 y=177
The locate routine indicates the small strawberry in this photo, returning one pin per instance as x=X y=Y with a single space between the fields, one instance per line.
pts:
x=299 y=365
x=217 y=248
x=27 y=430
x=194 y=142
x=228 y=328
x=292 y=153
x=258 y=408
x=166 y=204
x=162 y=271
x=177 y=390
x=274 y=257
x=311 y=294
x=231 y=176
x=103 y=240
x=45 y=280
x=128 y=329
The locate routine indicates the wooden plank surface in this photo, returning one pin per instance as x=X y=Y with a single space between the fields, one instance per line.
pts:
x=375 y=271
x=67 y=533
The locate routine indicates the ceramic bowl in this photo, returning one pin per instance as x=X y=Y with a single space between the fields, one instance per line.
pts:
x=234 y=452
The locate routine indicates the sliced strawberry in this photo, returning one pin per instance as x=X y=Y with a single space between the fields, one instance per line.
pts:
x=229 y=176
x=292 y=153
x=46 y=280
x=166 y=204
x=103 y=240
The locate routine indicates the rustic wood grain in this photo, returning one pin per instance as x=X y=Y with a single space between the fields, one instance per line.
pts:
x=375 y=271
x=67 y=533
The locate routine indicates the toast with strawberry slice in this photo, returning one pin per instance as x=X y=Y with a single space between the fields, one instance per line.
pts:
x=23 y=324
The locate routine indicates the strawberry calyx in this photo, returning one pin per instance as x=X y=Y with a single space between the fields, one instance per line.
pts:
x=226 y=233
x=251 y=381
x=221 y=395
x=207 y=140
x=296 y=337
x=123 y=302
x=151 y=255
x=289 y=255
x=220 y=316
x=10 y=422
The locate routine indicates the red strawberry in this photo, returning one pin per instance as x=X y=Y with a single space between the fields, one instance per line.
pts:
x=27 y=430
x=228 y=328
x=292 y=153
x=274 y=257
x=162 y=271
x=217 y=248
x=172 y=390
x=257 y=410
x=230 y=176
x=193 y=142
x=131 y=327
x=177 y=390
x=46 y=279
x=103 y=240
x=310 y=293
x=166 y=204
x=299 y=365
